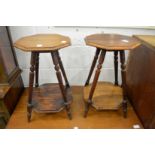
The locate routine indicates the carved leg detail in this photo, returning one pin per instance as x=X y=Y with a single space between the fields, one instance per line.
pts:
x=116 y=67
x=37 y=70
x=98 y=70
x=123 y=72
x=31 y=81
x=59 y=77
x=63 y=70
x=92 y=66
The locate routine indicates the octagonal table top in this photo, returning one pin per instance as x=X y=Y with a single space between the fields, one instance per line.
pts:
x=112 y=41
x=42 y=42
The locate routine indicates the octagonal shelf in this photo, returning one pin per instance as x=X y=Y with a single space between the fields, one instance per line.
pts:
x=47 y=98
x=42 y=42
x=112 y=42
x=107 y=96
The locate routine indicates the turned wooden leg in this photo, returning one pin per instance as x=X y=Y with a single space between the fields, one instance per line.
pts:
x=92 y=66
x=63 y=70
x=98 y=70
x=116 y=67
x=123 y=72
x=62 y=88
x=37 y=70
x=31 y=81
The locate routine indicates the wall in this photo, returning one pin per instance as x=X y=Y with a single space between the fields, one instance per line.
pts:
x=76 y=58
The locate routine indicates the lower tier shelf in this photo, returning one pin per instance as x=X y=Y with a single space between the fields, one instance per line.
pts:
x=48 y=98
x=107 y=96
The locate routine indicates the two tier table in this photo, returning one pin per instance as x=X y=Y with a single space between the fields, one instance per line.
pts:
x=105 y=95
x=46 y=98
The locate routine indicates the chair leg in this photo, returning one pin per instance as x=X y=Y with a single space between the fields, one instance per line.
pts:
x=97 y=73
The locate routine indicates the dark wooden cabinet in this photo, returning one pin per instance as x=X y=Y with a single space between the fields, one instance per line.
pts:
x=10 y=73
x=141 y=80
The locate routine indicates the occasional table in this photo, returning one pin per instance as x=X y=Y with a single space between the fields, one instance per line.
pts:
x=105 y=95
x=46 y=98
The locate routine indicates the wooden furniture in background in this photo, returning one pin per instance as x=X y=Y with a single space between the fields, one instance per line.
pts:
x=10 y=73
x=47 y=98
x=97 y=94
x=4 y=113
x=141 y=79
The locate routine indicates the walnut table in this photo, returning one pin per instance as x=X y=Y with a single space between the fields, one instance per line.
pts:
x=47 y=98
x=98 y=93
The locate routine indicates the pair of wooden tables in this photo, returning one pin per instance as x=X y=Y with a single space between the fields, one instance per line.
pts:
x=50 y=98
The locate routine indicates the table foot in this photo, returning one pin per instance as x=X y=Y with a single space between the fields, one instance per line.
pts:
x=87 y=105
x=68 y=110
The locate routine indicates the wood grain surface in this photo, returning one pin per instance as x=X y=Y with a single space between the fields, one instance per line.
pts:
x=106 y=96
x=42 y=42
x=112 y=41
x=47 y=98
x=149 y=39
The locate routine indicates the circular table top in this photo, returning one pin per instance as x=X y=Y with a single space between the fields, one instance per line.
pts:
x=42 y=42
x=112 y=41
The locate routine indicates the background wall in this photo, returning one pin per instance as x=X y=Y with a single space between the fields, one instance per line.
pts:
x=76 y=58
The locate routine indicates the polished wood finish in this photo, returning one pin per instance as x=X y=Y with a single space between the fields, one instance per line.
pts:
x=11 y=84
x=107 y=119
x=106 y=96
x=112 y=42
x=42 y=42
x=46 y=43
x=109 y=42
x=141 y=80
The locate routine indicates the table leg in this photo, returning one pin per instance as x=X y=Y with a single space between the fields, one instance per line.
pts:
x=93 y=66
x=31 y=81
x=37 y=70
x=98 y=70
x=123 y=72
x=116 y=67
x=59 y=77
x=63 y=70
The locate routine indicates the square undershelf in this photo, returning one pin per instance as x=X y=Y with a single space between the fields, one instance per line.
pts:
x=47 y=98
x=106 y=96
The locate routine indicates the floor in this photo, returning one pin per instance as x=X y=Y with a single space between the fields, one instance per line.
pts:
x=95 y=119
